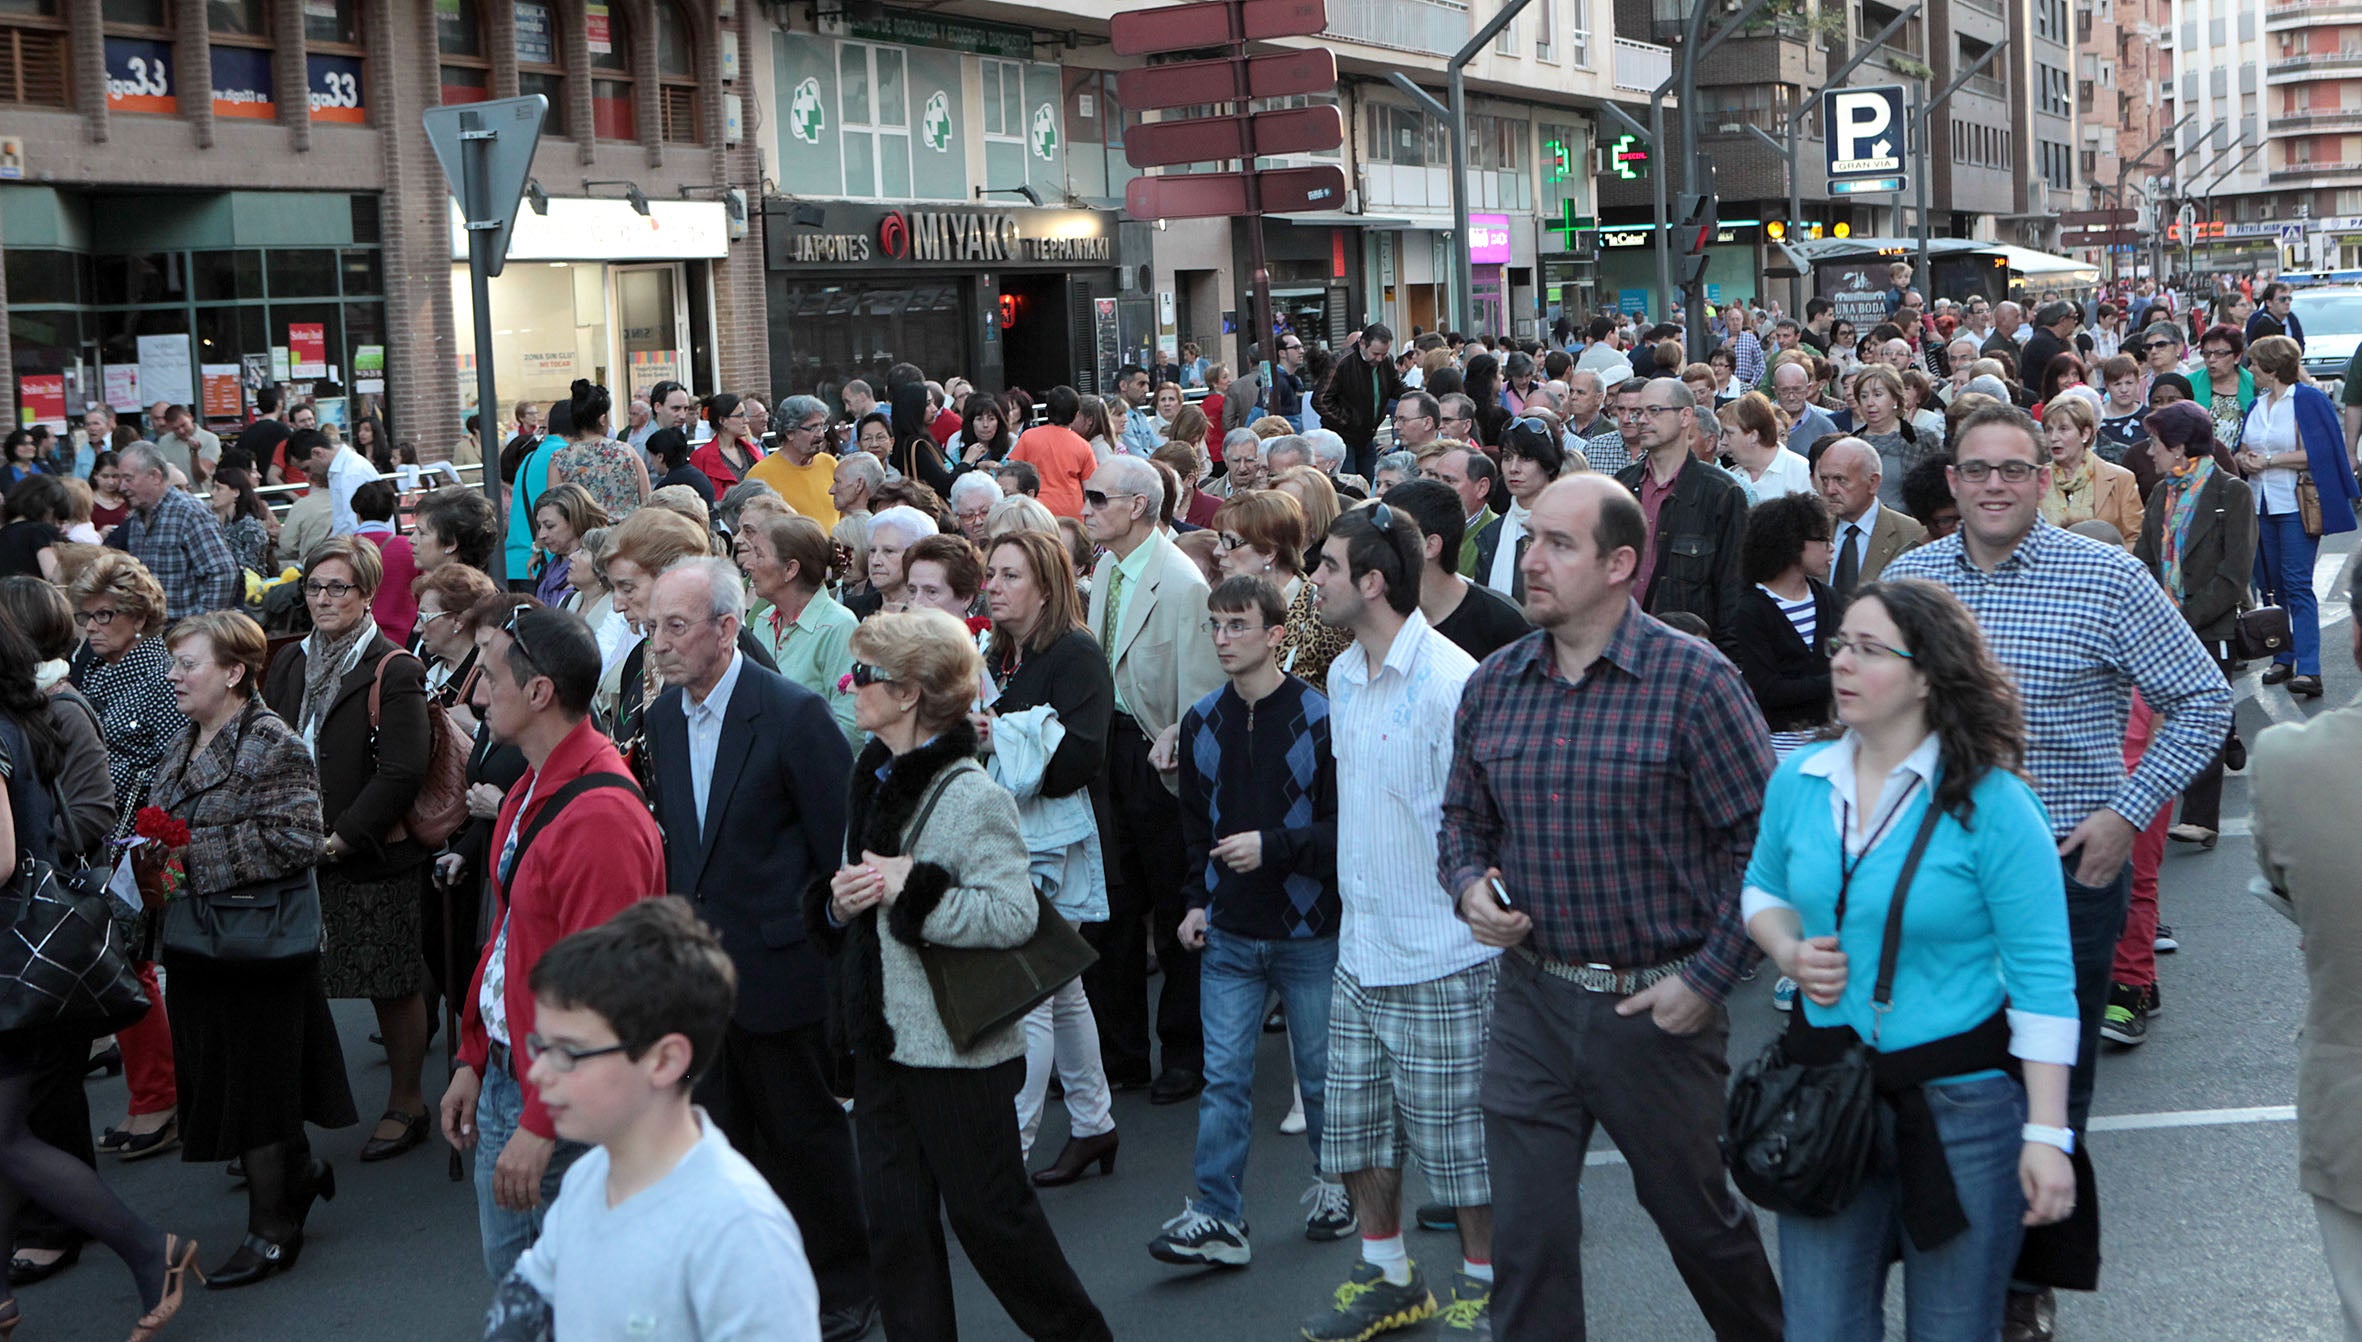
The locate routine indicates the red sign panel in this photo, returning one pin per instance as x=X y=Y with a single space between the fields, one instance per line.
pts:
x=1150 y=32
x=1294 y=130
x=1281 y=74
x=2100 y=218
x=1216 y=194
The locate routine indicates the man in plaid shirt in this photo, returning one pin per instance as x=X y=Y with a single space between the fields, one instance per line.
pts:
x=178 y=538
x=1607 y=774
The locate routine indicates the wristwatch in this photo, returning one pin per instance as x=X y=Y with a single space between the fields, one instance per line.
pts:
x=2062 y=1138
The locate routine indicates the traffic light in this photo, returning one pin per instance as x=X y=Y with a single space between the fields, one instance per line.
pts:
x=1695 y=234
x=1776 y=230
x=1843 y=229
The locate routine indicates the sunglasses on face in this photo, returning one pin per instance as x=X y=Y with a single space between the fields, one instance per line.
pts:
x=863 y=675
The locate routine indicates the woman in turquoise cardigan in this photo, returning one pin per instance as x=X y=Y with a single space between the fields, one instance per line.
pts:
x=1982 y=1028
x=2292 y=432
x=2219 y=352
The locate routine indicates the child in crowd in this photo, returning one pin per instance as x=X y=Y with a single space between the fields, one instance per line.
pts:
x=662 y=1231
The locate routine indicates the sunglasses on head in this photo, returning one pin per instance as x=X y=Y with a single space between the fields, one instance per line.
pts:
x=514 y=628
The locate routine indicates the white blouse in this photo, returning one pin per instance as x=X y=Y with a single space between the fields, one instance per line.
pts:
x=2271 y=431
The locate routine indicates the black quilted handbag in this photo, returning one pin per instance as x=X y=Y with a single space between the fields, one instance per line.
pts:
x=62 y=959
x=1798 y=1138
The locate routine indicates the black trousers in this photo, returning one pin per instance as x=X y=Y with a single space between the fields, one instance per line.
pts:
x=60 y=1117
x=1145 y=857
x=2202 y=800
x=940 y=1143
x=770 y=1094
x=1562 y=1060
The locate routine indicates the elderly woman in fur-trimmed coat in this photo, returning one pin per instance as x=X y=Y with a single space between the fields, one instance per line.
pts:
x=934 y=858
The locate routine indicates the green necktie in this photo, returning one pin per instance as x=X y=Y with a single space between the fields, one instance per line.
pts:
x=1112 y=617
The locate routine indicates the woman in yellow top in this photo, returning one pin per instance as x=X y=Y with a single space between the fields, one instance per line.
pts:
x=2083 y=487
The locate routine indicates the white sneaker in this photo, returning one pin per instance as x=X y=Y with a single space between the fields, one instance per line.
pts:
x=1331 y=1217
x=1294 y=1122
x=1194 y=1238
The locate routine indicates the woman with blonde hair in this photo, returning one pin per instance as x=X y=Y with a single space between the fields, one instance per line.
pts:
x=561 y=516
x=1315 y=494
x=1019 y=512
x=1264 y=532
x=2083 y=487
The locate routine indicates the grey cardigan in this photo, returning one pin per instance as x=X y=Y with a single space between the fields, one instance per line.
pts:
x=969 y=885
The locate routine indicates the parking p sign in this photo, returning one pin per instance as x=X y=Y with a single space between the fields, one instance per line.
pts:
x=1864 y=130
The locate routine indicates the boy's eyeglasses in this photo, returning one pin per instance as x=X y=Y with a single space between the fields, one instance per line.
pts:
x=561 y=1057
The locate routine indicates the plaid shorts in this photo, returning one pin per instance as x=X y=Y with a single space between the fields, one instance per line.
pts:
x=1405 y=1062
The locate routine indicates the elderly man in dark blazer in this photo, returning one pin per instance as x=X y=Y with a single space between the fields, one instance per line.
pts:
x=750 y=773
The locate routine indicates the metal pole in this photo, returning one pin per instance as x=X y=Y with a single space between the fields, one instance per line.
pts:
x=1464 y=268
x=1925 y=269
x=1696 y=46
x=1663 y=307
x=1258 y=260
x=477 y=150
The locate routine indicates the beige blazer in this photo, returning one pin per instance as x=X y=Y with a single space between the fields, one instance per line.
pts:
x=1893 y=533
x=1163 y=658
x=2303 y=777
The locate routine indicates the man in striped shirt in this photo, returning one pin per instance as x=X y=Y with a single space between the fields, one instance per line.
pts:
x=1412 y=1008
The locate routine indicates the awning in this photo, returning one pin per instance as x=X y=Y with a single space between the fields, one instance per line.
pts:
x=2027 y=261
x=579 y=229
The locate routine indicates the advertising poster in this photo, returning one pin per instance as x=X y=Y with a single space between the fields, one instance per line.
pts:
x=242 y=84
x=1858 y=288
x=279 y=364
x=139 y=76
x=41 y=399
x=335 y=88
x=224 y=398
x=597 y=30
x=307 y=349
x=1488 y=239
x=549 y=366
x=331 y=410
x=650 y=367
x=255 y=370
x=119 y=385
x=369 y=370
x=535 y=45
x=164 y=369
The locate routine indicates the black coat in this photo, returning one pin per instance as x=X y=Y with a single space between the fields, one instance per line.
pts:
x=1695 y=551
x=1354 y=399
x=368 y=777
x=1790 y=680
x=774 y=822
x=1488 y=547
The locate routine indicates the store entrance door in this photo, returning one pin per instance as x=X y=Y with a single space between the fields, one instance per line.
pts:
x=1037 y=335
x=651 y=324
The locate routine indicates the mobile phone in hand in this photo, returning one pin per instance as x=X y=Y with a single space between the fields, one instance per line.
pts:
x=1501 y=894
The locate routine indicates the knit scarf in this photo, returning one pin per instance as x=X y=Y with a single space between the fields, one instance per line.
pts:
x=2070 y=498
x=326 y=661
x=2186 y=483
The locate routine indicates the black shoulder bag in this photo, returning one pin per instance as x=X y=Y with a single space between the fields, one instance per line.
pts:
x=1798 y=1138
x=271 y=920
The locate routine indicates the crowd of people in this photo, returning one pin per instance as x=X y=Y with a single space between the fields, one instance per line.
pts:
x=1482 y=712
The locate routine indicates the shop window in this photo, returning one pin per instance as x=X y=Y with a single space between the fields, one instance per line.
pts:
x=873 y=121
x=223 y=276
x=614 y=104
x=244 y=83
x=363 y=271
x=141 y=278
x=332 y=61
x=33 y=59
x=40 y=277
x=301 y=272
x=539 y=61
x=676 y=76
x=466 y=74
x=138 y=38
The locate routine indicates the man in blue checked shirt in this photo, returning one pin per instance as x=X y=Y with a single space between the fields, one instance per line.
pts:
x=2080 y=625
x=1139 y=436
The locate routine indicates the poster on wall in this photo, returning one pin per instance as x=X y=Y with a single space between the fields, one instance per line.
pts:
x=649 y=367
x=307 y=349
x=369 y=370
x=164 y=369
x=119 y=386
x=535 y=45
x=224 y=398
x=1105 y=342
x=42 y=400
x=1488 y=239
x=597 y=30
x=255 y=370
x=242 y=84
x=139 y=76
x=335 y=89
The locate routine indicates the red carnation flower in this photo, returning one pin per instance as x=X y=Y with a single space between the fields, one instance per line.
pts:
x=167 y=829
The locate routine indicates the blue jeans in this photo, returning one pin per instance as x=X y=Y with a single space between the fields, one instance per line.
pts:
x=1833 y=1269
x=2284 y=557
x=507 y=1235
x=1234 y=976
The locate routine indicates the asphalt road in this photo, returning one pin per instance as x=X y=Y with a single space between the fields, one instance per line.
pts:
x=2207 y=1236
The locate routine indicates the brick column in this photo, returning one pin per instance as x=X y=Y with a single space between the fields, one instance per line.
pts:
x=289 y=73
x=742 y=326
x=192 y=69
x=87 y=49
x=422 y=376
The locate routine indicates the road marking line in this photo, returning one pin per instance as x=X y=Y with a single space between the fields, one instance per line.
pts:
x=2179 y=1118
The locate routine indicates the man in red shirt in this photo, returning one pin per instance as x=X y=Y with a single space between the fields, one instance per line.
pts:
x=1059 y=454
x=575 y=843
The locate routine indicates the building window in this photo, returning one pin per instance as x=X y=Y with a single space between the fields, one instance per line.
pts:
x=331 y=23
x=676 y=76
x=459 y=42
x=873 y=107
x=540 y=60
x=332 y=61
x=33 y=60
x=1004 y=100
x=245 y=84
x=614 y=113
x=1545 y=45
x=238 y=18
x=1578 y=37
x=140 y=74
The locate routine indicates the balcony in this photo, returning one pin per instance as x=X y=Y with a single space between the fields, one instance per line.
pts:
x=1639 y=66
x=2312 y=65
x=2305 y=123
x=1429 y=27
x=1987 y=85
x=2334 y=172
x=2305 y=13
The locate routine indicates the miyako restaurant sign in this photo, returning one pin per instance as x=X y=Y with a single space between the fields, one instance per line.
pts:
x=879 y=237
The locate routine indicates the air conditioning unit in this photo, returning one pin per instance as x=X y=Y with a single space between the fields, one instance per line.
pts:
x=2267 y=210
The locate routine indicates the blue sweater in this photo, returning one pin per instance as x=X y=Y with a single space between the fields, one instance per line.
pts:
x=1265 y=767
x=1985 y=922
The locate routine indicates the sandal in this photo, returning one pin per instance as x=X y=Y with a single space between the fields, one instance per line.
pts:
x=180 y=1261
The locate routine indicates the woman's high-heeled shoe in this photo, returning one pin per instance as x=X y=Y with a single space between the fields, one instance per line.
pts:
x=108 y=1061
x=180 y=1262
x=1076 y=1158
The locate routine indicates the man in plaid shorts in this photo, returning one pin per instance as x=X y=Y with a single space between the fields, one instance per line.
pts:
x=1412 y=1007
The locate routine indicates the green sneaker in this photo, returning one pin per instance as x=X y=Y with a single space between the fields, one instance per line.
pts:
x=1368 y=1304
x=1469 y=1313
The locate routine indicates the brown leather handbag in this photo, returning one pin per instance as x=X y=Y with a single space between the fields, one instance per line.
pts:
x=441 y=805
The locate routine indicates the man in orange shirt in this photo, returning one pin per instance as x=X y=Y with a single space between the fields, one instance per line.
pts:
x=1059 y=454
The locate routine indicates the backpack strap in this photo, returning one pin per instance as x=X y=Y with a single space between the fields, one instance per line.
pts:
x=557 y=802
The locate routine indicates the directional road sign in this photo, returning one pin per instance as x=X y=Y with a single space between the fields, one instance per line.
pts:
x=1862 y=129
x=1149 y=32
x=499 y=137
x=2100 y=219
x=1293 y=130
x=1280 y=74
x=1209 y=195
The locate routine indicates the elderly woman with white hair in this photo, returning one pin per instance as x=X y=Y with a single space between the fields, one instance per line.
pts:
x=890 y=533
x=1395 y=468
x=972 y=498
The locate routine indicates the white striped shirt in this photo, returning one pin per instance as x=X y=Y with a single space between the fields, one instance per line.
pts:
x=1392 y=735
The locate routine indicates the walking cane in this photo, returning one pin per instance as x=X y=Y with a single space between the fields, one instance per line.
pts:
x=457 y=1170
